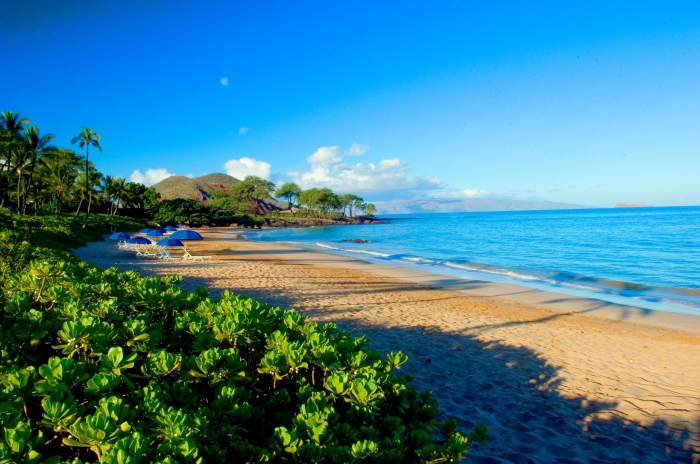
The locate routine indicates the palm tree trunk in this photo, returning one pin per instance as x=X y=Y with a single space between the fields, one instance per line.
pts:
x=79 y=205
x=19 y=180
x=87 y=184
x=6 y=179
x=29 y=185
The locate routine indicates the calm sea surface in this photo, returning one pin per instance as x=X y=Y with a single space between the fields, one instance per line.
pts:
x=648 y=257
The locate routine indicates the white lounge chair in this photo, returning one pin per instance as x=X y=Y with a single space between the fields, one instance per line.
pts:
x=166 y=256
x=145 y=251
x=187 y=255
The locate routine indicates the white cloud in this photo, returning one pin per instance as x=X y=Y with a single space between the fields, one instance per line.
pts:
x=474 y=193
x=357 y=149
x=390 y=164
x=247 y=167
x=224 y=81
x=324 y=157
x=152 y=176
x=389 y=180
x=243 y=130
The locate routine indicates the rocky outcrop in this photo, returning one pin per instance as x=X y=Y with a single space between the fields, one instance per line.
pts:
x=632 y=205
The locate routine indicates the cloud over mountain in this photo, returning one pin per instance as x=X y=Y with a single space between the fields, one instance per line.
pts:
x=390 y=178
x=152 y=176
x=239 y=168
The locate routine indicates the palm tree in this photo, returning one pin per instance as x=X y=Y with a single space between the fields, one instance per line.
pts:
x=36 y=146
x=107 y=189
x=94 y=182
x=61 y=171
x=61 y=178
x=12 y=127
x=21 y=157
x=85 y=138
x=120 y=192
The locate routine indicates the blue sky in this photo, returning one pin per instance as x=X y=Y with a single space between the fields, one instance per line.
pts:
x=587 y=103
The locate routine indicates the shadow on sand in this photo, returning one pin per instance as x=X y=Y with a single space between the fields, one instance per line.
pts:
x=513 y=391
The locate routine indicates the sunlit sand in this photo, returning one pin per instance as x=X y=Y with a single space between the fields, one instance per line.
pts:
x=552 y=384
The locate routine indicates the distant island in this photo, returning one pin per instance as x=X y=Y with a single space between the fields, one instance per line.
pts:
x=632 y=205
x=464 y=205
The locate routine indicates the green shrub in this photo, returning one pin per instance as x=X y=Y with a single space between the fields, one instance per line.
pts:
x=109 y=366
x=64 y=231
x=190 y=211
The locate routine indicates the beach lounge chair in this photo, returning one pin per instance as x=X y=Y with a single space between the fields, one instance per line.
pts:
x=167 y=257
x=147 y=252
x=187 y=255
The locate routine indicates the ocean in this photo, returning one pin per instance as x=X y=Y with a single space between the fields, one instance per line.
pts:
x=644 y=257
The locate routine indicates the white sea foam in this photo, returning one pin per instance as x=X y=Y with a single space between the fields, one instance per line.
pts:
x=346 y=250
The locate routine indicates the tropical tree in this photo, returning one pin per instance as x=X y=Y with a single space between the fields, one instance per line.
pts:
x=252 y=187
x=328 y=201
x=310 y=198
x=94 y=181
x=11 y=127
x=150 y=198
x=356 y=204
x=322 y=200
x=61 y=172
x=85 y=138
x=289 y=191
x=350 y=201
x=135 y=195
x=36 y=147
x=369 y=209
x=118 y=193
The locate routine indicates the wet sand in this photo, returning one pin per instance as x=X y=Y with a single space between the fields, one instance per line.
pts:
x=556 y=378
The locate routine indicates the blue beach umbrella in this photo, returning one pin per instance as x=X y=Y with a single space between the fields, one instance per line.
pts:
x=170 y=229
x=154 y=233
x=186 y=234
x=139 y=241
x=170 y=242
x=161 y=230
x=179 y=225
x=144 y=231
x=120 y=236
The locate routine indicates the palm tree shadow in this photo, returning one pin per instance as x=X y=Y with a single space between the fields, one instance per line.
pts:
x=515 y=392
x=512 y=390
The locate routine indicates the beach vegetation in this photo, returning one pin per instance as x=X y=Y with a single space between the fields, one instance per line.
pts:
x=103 y=366
x=86 y=138
x=171 y=212
x=37 y=178
x=368 y=209
x=252 y=187
x=289 y=191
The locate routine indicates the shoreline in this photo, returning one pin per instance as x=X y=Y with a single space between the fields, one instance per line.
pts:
x=553 y=384
x=559 y=302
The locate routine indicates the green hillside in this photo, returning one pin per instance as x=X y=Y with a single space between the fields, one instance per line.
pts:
x=197 y=188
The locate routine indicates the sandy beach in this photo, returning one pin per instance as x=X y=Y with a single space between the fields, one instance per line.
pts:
x=558 y=379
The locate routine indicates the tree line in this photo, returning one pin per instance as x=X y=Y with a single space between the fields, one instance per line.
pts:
x=317 y=201
x=38 y=177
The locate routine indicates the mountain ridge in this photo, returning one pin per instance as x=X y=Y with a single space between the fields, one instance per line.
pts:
x=197 y=188
x=466 y=205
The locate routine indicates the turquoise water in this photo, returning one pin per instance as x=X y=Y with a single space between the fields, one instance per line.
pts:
x=647 y=257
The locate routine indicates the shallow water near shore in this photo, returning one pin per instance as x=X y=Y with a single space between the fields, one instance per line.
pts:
x=646 y=257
